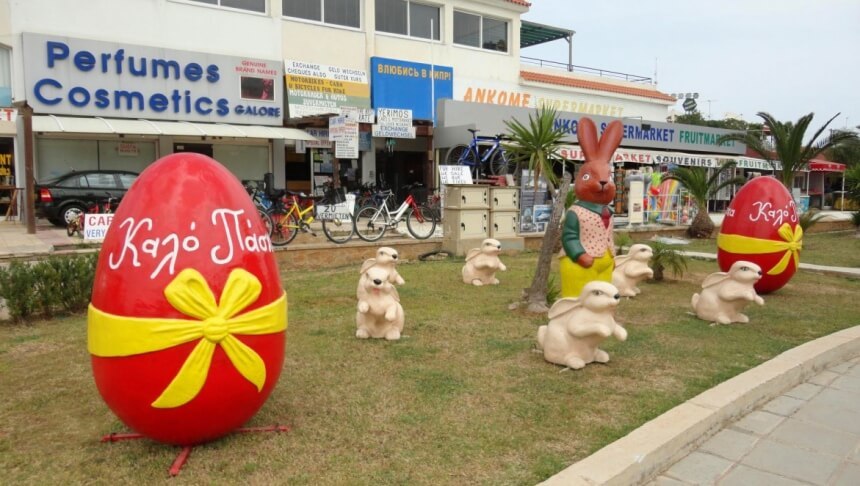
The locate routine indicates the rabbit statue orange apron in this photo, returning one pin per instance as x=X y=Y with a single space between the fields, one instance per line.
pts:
x=588 y=248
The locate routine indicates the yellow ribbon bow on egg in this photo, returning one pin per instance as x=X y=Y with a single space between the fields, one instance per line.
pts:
x=792 y=244
x=111 y=336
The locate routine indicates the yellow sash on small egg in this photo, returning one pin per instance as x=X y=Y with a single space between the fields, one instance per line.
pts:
x=111 y=335
x=792 y=244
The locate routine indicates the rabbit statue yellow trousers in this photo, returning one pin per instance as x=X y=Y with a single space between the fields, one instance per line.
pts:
x=574 y=276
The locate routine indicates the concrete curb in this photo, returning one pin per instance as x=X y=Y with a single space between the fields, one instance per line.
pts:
x=659 y=443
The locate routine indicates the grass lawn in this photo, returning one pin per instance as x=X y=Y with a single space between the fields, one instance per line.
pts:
x=461 y=399
x=839 y=248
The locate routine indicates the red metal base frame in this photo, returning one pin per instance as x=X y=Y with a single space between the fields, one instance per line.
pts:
x=182 y=458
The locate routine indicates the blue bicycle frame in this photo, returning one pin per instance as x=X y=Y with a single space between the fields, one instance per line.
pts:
x=493 y=158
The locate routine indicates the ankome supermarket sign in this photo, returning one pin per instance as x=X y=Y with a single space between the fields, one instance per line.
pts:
x=68 y=76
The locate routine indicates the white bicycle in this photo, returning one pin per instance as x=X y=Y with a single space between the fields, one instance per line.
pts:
x=372 y=221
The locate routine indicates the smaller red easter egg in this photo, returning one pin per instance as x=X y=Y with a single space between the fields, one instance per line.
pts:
x=761 y=226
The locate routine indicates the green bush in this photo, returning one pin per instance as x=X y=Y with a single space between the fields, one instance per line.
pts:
x=58 y=283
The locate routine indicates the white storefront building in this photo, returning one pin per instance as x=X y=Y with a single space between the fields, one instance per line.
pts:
x=255 y=83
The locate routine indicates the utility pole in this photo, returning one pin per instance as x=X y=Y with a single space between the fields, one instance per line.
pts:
x=709 y=108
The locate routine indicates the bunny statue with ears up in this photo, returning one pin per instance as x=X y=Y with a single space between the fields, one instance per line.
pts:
x=588 y=247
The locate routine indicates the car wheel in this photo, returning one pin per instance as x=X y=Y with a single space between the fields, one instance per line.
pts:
x=70 y=212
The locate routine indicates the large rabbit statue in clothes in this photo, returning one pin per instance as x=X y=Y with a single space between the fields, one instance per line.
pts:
x=588 y=248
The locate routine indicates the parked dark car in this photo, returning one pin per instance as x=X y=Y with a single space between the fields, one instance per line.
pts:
x=62 y=198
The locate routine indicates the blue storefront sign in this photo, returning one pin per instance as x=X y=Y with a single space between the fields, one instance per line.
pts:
x=83 y=77
x=407 y=85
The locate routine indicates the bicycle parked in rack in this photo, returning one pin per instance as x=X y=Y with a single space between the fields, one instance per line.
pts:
x=294 y=212
x=484 y=155
x=372 y=221
x=105 y=206
x=262 y=202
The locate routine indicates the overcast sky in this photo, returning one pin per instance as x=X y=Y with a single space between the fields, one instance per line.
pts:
x=785 y=57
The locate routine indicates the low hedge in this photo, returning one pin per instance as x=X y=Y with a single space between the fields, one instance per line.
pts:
x=58 y=284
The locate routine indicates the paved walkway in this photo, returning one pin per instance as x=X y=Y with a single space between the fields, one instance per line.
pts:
x=15 y=241
x=809 y=435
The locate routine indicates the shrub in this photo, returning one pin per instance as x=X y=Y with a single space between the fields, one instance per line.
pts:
x=666 y=257
x=16 y=288
x=623 y=242
x=57 y=283
x=809 y=219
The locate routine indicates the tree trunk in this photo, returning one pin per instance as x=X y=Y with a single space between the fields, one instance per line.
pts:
x=702 y=226
x=536 y=294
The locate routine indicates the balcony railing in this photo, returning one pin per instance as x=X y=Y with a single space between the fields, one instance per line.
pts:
x=632 y=78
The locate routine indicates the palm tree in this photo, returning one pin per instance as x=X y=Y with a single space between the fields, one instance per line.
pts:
x=536 y=147
x=788 y=147
x=702 y=188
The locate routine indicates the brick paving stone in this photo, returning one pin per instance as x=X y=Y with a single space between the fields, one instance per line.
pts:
x=831 y=416
x=808 y=435
x=843 y=399
x=847 y=383
x=791 y=461
x=824 y=378
x=804 y=391
x=730 y=444
x=783 y=405
x=758 y=422
x=747 y=476
x=843 y=368
x=699 y=468
x=665 y=481
x=848 y=476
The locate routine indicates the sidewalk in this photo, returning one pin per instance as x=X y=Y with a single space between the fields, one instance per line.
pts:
x=793 y=420
x=16 y=242
x=808 y=435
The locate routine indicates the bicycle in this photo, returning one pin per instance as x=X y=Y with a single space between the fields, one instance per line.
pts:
x=478 y=155
x=76 y=225
x=262 y=202
x=371 y=221
x=295 y=212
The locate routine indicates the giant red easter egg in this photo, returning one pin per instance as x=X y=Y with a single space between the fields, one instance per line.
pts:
x=187 y=322
x=760 y=226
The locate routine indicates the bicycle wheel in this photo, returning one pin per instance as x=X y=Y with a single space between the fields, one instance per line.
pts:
x=455 y=153
x=339 y=229
x=420 y=222
x=285 y=227
x=267 y=220
x=371 y=223
x=499 y=164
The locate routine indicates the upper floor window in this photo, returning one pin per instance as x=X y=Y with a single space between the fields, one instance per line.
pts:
x=406 y=17
x=252 y=5
x=337 y=12
x=479 y=31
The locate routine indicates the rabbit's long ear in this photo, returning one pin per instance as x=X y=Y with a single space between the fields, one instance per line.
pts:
x=610 y=140
x=586 y=133
x=367 y=264
x=714 y=279
x=563 y=306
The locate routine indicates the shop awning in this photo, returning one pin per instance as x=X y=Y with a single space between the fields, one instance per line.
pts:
x=117 y=126
x=818 y=165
